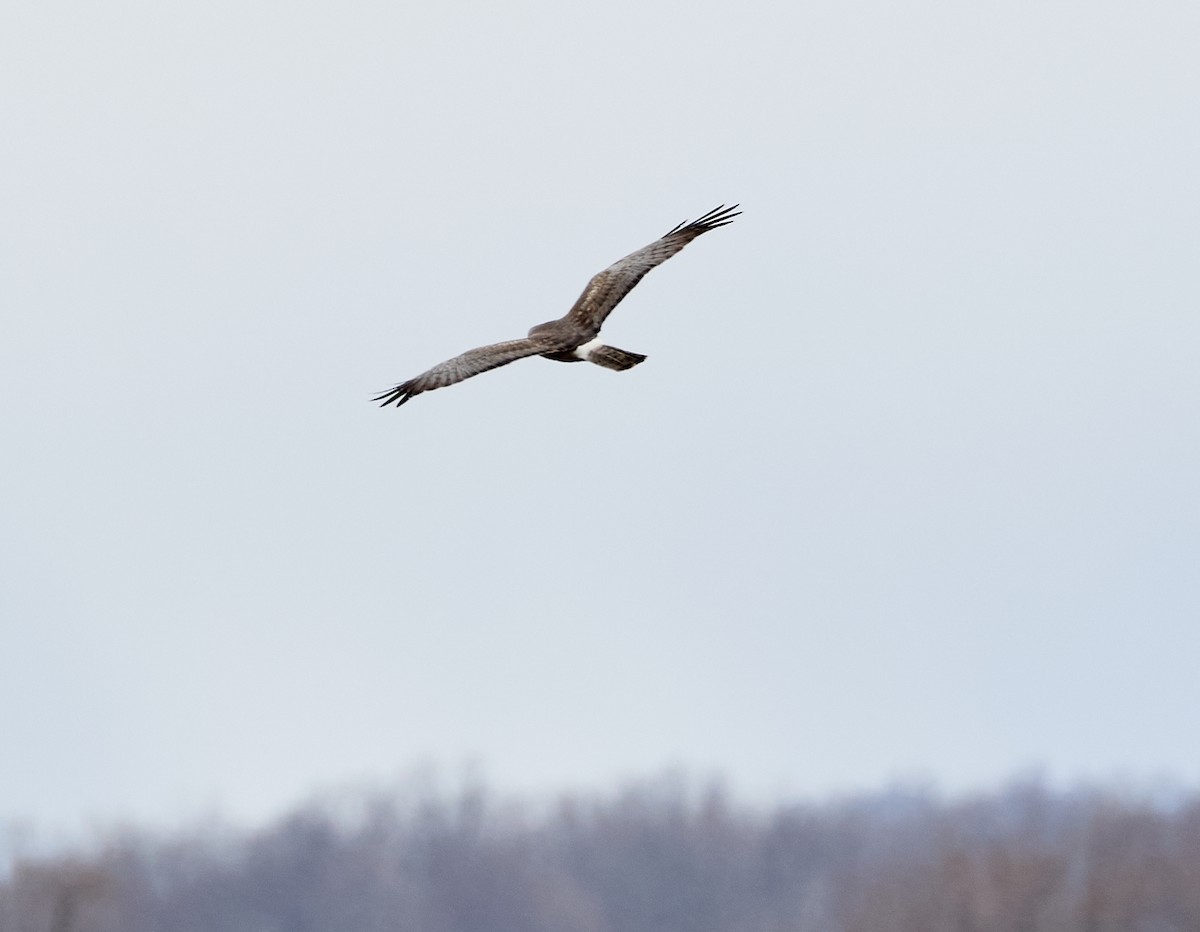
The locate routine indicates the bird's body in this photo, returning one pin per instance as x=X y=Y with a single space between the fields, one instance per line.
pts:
x=575 y=336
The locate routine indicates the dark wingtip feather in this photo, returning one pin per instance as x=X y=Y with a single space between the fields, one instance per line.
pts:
x=399 y=394
x=717 y=217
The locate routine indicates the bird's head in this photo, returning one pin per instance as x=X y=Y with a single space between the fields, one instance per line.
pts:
x=548 y=327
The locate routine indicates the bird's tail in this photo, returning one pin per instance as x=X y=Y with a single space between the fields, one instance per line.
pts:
x=612 y=358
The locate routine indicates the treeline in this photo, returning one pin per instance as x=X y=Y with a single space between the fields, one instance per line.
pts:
x=659 y=857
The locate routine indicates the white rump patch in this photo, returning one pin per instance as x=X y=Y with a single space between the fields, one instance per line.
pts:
x=584 y=350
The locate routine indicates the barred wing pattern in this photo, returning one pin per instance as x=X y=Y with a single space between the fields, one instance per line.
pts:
x=606 y=289
x=470 y=363
x=572 y=338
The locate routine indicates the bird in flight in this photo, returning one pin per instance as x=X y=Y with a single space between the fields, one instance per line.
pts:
x=575 y=336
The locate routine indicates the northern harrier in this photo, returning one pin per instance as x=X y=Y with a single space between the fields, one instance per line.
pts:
x=574 y=337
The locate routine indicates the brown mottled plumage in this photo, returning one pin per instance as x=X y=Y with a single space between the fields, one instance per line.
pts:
x=571 y=338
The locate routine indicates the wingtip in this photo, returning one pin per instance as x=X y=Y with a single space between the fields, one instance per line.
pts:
x=397 y=395
x=717 y=217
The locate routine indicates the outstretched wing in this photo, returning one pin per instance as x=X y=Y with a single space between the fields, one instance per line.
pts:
x=470 y=363
x=605 y=290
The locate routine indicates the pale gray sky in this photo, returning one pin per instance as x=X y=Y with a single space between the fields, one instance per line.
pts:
x=907 y=486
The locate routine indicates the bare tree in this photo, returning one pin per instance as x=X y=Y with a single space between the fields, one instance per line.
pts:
x=663 y=856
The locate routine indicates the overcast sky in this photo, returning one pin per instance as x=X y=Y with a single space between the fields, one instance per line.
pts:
x=907 y=487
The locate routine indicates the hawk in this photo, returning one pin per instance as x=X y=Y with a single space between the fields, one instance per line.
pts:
x=575 y=336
